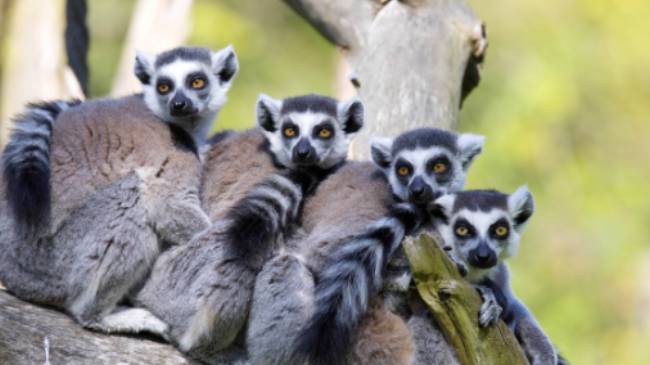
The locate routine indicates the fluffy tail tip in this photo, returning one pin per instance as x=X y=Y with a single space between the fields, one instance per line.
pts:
x=28 y=195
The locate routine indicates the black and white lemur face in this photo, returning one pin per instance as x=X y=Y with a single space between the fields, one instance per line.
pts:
x=310 y=130
x=187 y=86
x=481 y=228
x=423 y=163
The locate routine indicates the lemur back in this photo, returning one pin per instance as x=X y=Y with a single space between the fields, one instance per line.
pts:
x=203 y=290
x=124 y=186
x=349 y=231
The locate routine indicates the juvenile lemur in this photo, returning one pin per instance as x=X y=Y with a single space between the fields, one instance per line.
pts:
x=203 y=290
x=97 y=189
x=330 y=280
x=481 y=229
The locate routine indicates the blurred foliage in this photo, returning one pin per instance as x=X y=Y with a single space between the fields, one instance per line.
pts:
x=564 y=105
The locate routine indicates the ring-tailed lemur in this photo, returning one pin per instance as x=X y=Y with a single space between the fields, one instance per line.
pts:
x=185 y=87
x=481 y=229
x=124 y=185
x=350 y=233
x=203 y=290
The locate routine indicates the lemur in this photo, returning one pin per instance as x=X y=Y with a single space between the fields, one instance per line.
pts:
x=124 y=185
x=481 y=229
x=203 y=290
x=352 y=225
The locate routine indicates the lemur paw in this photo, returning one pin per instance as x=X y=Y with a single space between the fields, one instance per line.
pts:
x=490 y=310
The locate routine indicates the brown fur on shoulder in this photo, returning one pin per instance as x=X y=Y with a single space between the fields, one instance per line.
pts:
x=382 y=339
x=232 y=167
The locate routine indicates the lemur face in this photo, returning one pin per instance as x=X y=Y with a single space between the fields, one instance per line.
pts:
x=185 y=84
x=482 y=227
x=424 y=163
x=310 y=130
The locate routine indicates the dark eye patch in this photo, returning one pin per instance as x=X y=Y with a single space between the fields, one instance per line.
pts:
x=502 y=222
x=464 y=223
x=326 y=125
x=403 y=163
x=441 y=176
x=164 y=81
x=292 y=125
x=199 y=75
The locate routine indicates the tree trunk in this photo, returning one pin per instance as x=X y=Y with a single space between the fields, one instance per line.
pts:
x=156 y=25
x=412 y=61
x=34 y=64
x=455 y=305
x=25 y=328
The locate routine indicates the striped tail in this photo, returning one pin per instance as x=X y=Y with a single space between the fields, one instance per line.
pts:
x=352 y=276
x=26 y=165
x=267 y=211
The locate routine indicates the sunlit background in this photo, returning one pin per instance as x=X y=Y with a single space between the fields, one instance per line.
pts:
x=565 y=105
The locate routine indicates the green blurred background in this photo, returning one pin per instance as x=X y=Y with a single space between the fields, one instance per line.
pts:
x=564 y=103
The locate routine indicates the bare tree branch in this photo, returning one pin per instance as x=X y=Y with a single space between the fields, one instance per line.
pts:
x=25 y=328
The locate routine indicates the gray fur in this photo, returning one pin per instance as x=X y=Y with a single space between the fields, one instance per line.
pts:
x=123 y=189
x=203 y=290
x=483 y=253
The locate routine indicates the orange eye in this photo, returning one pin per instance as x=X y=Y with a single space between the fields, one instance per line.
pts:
x=325 y=133
x=501 y=231
x=439 y=168
x=462 y=231
x=289 y=132
x=403 y=171
x=163 y=88
x=198 y=84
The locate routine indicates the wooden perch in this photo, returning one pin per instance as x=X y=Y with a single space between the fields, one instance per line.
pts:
x=455 y=305
x=24 y=328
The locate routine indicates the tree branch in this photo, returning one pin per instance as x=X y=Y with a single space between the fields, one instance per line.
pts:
x=25 y=327
x=455 y=305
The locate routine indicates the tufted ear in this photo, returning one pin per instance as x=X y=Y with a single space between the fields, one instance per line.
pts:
x=441 y=208
x=469 y=146
x=380 y=150
x=351 y=115
x=521 y=206
x=143 y=68
x=225 y=64
x=268 y=112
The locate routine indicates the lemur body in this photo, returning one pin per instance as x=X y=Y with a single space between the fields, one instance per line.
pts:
x=482 y=230
x=203 y=290
x=350 y=230
x=124 y=185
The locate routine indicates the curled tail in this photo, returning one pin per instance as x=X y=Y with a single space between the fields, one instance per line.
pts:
x=265 y=213
x=26 y=165
x=352 y=275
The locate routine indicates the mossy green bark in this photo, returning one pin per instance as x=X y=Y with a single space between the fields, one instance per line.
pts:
x=455 y=305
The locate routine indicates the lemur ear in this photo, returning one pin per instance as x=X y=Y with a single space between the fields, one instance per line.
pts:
x=521 y=206
x=380 y=150
x=143 y=68
x=268 y=112
x=441 y=208
x=351 y=115
x=225 y=64
x=469 y=146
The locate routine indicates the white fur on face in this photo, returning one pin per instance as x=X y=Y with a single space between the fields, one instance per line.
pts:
x=200 y=123
x=481 y=221
x=418 y=159
x=329 y=152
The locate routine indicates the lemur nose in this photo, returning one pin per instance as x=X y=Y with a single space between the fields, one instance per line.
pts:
x=179 y=105
x=419 y=191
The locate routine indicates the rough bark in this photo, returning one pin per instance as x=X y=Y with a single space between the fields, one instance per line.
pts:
x=455 y=305
x=155 y=26
x=24 y=329
x=409 y=58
